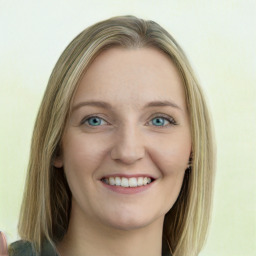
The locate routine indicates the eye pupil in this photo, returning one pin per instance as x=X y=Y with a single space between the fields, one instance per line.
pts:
x=94 y=121
x=158 y=121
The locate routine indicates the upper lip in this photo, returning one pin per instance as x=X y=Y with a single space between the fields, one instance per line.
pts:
x=128 y=175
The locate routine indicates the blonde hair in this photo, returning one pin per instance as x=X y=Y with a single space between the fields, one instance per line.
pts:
x=46 y=202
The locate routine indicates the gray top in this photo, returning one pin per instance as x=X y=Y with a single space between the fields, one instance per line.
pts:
x=25 y=248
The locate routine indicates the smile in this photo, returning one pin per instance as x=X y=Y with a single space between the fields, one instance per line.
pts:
x=127 y=182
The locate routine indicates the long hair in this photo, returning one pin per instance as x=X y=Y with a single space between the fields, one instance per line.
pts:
x=46 y=205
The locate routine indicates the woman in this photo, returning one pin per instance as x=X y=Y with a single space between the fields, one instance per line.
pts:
x=122 y=159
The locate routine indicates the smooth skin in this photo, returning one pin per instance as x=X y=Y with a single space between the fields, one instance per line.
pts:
x=139 y=125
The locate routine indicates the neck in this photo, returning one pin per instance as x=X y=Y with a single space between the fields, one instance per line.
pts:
x=86 y=238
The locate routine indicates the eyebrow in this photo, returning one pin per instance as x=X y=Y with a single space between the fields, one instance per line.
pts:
x=102 y=104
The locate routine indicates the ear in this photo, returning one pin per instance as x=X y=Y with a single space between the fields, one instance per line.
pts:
x=191 y=156
x=58 y=162
x=58 y=158
x=190 y=160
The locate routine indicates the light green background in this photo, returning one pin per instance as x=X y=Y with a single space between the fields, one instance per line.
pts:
x=219 y=38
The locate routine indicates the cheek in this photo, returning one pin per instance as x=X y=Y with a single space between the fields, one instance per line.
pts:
x=171 y=158
x=82 y=154
x=172 y=154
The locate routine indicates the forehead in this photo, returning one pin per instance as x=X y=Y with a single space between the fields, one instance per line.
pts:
x=131 y=77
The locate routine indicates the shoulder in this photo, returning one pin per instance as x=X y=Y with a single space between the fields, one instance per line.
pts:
x=25 y=248
x=20 y=248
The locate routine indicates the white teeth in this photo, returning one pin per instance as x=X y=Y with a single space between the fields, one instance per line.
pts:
x=112 y=181
x=125 y=182
x=118 y=181
x=140 y=181
x=133 y=182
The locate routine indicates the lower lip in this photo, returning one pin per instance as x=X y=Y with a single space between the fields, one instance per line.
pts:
x=128 y=190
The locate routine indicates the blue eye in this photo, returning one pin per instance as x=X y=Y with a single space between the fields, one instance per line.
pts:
x=159 y=121
x=162 y=121
x=94 y=121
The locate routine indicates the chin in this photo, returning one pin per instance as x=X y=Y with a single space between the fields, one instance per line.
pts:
x=128 y=225
x=131 y=221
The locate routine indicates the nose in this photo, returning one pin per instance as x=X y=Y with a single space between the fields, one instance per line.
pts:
x=128 y=147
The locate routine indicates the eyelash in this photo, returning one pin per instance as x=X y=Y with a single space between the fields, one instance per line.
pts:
x=168 y=118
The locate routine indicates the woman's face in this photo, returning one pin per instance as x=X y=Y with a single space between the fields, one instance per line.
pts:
x=129 y=125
